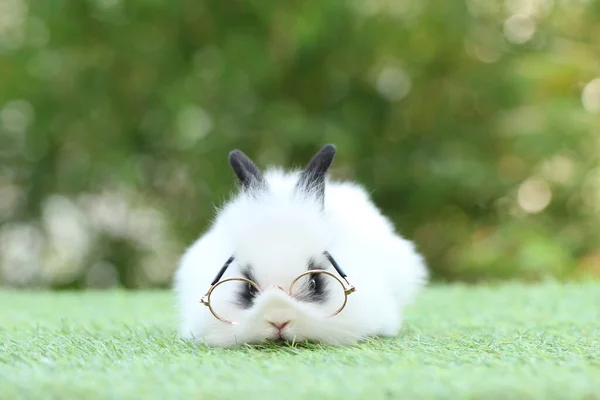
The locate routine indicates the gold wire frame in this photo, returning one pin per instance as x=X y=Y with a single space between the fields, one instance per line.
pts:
x=346 y=287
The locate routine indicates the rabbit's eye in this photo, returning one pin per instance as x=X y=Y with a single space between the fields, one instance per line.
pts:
x=251 y=290
x=247 y=292
x=312 y=287
x=316 y=284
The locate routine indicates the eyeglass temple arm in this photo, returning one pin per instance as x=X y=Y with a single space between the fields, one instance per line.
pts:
x=340 y=271
x=222 y=271
x=335 y=265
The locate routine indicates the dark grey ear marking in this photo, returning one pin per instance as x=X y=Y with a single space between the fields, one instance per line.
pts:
x=246 y=171
x=312 y=179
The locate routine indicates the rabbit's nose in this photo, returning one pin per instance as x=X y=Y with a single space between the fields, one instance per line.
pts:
x=279 y=317
x=279 y=325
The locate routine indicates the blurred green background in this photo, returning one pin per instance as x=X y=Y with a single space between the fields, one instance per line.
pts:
x=475 y=124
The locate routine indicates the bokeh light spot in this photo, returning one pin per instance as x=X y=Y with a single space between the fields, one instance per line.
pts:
x=534 y=195
x=16 y=116
x=590 y=96
x=519 y=29
x=193 y=123
x=393 y=83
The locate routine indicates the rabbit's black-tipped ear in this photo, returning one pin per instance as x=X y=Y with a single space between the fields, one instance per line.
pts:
x=312 y=179
x=246 y=171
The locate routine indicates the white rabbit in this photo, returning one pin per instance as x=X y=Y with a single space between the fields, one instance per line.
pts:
x=279 y=226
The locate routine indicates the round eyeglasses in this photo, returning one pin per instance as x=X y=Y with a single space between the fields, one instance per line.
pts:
x=227 y=298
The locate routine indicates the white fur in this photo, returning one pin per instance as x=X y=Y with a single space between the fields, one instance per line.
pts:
x=277 y=233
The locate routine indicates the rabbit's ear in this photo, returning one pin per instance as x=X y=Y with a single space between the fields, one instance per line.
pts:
x=246 y=171
x=312 y=179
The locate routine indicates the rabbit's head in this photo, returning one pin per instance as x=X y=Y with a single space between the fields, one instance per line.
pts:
x=279 y=282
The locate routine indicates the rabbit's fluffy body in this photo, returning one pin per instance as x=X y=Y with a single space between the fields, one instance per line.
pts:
x=276 y=231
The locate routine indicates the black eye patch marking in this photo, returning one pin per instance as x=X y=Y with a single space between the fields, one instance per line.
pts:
x=247 y=292
x=314 y=286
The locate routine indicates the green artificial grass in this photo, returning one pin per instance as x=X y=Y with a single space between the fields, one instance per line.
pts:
x=507 y=342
